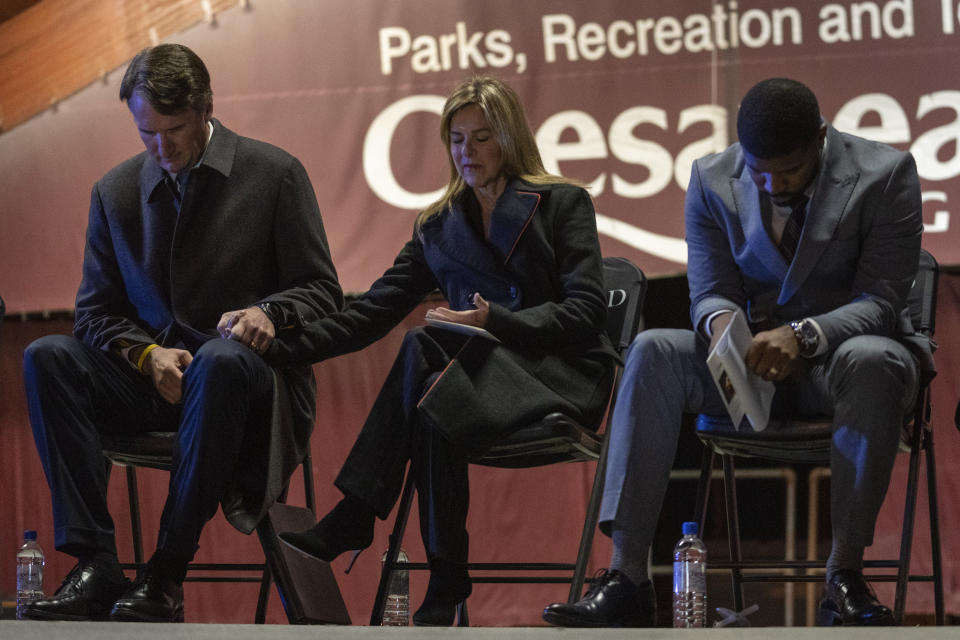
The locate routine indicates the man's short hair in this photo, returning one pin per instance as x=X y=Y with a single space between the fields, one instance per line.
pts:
x=170 y=77
x=777 y=117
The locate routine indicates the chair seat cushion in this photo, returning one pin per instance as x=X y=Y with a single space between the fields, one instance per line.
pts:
x=153 y=449
x=804 y=440
x=556 y=438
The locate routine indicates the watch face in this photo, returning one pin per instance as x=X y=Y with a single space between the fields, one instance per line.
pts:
x=807 y=336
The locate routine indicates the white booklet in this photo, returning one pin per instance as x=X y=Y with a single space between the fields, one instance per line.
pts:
x=744 y=393
x=468 y=329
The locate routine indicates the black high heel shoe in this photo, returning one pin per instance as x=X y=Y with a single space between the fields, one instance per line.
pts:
x=448 y=588
x=348 y=527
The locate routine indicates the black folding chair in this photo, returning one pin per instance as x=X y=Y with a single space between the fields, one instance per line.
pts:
x=807 y=440
x=556 y=438
x=154 y=450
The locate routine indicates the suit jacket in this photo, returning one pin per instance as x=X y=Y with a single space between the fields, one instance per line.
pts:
x=248 y=231
x=540 y=270
x=857 y=255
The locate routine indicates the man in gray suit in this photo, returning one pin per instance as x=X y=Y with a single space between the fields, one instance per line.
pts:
x=815 y=235
x=198 y=250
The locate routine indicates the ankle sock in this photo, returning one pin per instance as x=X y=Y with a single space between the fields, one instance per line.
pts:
x=844 y=557
x=629 y=556
x=106 y=559
x=170 y=565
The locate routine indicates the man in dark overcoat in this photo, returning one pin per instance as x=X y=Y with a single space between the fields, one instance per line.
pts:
x=198 y=250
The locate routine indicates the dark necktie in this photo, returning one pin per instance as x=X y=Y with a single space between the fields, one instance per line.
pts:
x=791 y=231
x=178 y=186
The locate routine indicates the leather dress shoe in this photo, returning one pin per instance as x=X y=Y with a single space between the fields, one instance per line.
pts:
x=849 y=600
x=154 y=597
x=87 y=593
x=449 y=586
x=612 y=601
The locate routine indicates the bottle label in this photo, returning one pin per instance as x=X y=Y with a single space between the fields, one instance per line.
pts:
x=689 y=576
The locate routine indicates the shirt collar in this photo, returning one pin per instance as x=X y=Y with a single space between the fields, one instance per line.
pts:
x=173 y=176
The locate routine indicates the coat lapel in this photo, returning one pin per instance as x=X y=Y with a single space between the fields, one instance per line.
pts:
x=511 y=217
x=455 y=236
x=835 y=184
x=761 y=245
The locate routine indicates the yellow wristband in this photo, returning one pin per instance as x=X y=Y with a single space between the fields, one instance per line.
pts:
x=143 y=356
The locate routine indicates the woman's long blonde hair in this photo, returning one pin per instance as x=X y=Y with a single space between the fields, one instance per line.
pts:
x=504 y=114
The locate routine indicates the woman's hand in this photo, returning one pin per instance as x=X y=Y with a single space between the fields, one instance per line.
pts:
x=474 y=317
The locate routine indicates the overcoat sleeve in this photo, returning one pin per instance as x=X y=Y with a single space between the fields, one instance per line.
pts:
x=309 y=286
x=103 y=309
x=388 y=301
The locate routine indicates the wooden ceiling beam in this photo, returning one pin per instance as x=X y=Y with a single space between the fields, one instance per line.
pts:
x=56 y=47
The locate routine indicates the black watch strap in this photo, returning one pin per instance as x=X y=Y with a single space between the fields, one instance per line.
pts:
x=272 y=311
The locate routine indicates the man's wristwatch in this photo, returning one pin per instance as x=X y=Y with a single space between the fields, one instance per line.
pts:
x=272 y=312
x=808 y=339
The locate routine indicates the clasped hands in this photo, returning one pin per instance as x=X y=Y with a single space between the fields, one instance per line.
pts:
x=473 y=317
x=773 y=355
x=165 y=366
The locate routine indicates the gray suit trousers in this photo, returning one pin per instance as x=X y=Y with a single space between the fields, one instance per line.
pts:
x=867 y=383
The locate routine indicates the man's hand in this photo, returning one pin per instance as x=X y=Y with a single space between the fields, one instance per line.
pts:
x=249 y=326
x=165 y=367
x=774 y=355
x=474 y=317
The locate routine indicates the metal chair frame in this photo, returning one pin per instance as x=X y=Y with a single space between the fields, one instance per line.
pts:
x=557 y=438
x=154 y=450
x=808 y=441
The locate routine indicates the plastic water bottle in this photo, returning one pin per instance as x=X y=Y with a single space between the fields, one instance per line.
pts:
x=690 y=579
x=397 y=610
x=29 y=572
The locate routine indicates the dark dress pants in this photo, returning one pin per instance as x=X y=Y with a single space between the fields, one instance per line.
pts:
x=395 y=432
x=76 y=392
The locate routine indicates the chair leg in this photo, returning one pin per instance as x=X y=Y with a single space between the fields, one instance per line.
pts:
x=909 y=514
x=934 y=513
x=264 y=595
x=703 y=488
x=589 y=525
x=393 y=552
x=733 y=530
x=309 y=496
x=133 y=495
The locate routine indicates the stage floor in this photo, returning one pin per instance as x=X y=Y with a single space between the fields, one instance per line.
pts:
x=14 y=630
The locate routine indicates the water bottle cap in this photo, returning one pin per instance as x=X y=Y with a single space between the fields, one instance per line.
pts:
x=691 y=528
x=29 y=534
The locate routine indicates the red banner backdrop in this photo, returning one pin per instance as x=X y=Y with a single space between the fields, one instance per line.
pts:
x=622 y=96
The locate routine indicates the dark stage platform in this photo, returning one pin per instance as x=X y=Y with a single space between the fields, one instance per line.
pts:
x=13 y=630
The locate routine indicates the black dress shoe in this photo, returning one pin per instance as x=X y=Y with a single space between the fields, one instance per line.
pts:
x=87 y=593
x=154 y=597
x=849 y=600
x=449 y=586
x=612 y=601
x=349 y=526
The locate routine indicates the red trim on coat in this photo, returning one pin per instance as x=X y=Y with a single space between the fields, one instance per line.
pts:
x=526 y=224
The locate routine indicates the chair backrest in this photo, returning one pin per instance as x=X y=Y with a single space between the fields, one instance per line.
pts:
x=626 y=287
x=922 y=298
x=922 y=307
